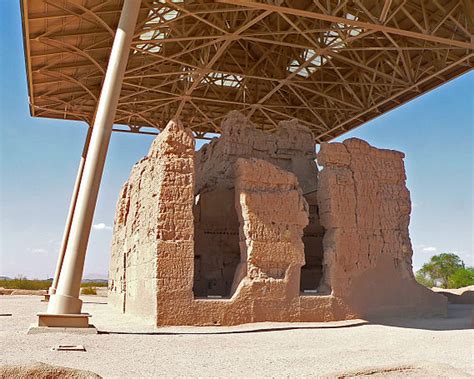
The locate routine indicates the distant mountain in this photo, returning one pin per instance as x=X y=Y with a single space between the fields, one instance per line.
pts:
x=95 y=277
x=95 y=280
x=5 y=278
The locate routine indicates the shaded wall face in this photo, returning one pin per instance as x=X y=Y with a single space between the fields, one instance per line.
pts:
x=312 y=271
x=291 y=148
x=216 y=224
x=216 y=243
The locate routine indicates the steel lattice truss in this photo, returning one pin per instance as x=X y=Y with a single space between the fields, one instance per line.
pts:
x=332 y=64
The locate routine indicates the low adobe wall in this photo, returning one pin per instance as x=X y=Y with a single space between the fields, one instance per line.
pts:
x=364 y=208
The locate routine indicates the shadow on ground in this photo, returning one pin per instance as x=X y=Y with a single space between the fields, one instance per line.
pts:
x=459 y=318
x=254 y=329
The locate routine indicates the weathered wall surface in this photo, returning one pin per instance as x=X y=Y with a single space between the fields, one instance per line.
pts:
x=267 y=280
x=216 y=245
x=272 y=250
x=217 y=251
x=361 y=202
x=365 y=208
x=291 y=148
x=152 y=248
x=132 y=276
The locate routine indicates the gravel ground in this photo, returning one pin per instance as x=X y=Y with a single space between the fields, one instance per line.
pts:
x=124 y=348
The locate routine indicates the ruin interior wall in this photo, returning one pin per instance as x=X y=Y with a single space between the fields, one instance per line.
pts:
x=363 y=205
x=271 y=253
x=217 y=252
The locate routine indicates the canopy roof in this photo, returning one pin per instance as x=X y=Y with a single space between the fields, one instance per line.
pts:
x=332 y=64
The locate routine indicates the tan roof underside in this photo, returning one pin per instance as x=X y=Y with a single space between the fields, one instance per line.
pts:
x=332 y=64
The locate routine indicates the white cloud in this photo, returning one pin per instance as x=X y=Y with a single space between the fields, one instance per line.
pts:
x=101 y=226
x=38 y=250
x=430 y=248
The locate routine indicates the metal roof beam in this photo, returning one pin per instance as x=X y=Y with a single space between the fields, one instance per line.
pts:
x=342 y=20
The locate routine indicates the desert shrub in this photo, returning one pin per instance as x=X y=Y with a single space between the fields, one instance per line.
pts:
x=88 y=291
x=94 y=284
x=21 y=283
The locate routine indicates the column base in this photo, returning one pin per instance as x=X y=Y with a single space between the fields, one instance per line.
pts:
x=51 y=320
x=34 y=329
x=63 y=304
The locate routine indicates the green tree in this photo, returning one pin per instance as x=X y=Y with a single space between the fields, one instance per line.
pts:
x=424 y=279
x=462 y=277
x=439 y=269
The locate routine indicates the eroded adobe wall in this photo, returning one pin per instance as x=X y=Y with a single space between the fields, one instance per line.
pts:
x=217 y=252
x=291 y=148
x=365 y=208
x=273 y=214
x=153 y=231
x=132 y=276
x=266 y=284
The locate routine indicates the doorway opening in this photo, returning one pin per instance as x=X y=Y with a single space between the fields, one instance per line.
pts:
x=312 y=271
x=216 y=243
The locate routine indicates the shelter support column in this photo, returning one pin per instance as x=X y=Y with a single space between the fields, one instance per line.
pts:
x=64 y=308
x=72 y=207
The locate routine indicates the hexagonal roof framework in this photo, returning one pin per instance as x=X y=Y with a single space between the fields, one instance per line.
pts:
x=332 y=64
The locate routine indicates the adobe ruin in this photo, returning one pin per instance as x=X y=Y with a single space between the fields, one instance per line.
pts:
x=247 y=230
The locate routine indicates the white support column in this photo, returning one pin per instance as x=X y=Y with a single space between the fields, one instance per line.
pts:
x=72 y=207
x=66 y=299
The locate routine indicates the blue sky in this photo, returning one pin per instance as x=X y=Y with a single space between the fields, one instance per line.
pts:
x=39 y=158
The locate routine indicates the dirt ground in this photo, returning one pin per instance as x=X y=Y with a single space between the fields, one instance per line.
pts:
x=125 y=348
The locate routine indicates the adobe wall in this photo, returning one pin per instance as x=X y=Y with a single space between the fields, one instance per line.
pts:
x=365 y=209
x=361 y=200
x=152 y=247
x=266 y=285
x=217 y=252
x=291 y=148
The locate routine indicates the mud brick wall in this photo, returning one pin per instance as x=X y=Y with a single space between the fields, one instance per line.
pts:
x=216 y=242
x=272 y=250
x=364 y=205
x=267 y=280
x=312 y=271
x=291 y=148
x=361 y=202
x=152 y=248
